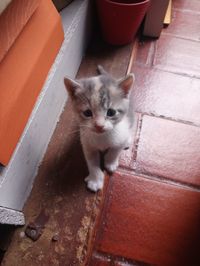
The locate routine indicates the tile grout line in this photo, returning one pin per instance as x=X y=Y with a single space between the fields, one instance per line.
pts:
x=180 y=121
x=180 y=37
x=139 y=126
x=171 y=181
x=186 y=11
x=177 y=73
x=156 y=67
x=160 y=179
x=151 y=54
x=114 y=259
x=137 y=139
x=96 y=219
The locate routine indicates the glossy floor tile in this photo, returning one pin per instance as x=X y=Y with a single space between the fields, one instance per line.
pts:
x=166 y=94
x=181 y=25
x=150 y=221
x=169 y=149
x=177 y=55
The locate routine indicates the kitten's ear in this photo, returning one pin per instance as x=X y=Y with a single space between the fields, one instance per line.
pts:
x=101 y=70
x=72 y=86
x=126 y=83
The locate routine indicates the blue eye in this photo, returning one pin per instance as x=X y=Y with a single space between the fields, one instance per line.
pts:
x=111 y=112
x=87 y=113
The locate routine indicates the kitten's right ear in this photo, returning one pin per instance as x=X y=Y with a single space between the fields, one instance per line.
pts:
x=126 y=83
x=72 y=86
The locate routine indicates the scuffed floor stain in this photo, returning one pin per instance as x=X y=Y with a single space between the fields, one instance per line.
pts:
x=82 y=238
x=70 y=247
x=60 y=191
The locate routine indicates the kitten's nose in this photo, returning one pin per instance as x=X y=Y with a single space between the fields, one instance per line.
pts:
x=99 y=128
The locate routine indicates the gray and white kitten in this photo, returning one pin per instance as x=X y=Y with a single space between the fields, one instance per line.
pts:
x=105 y=115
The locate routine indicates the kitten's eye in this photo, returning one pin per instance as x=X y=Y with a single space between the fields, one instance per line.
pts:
x=111 y=112
x=87 y=113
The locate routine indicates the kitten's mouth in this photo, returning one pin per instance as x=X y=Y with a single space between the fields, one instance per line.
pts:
x=99 y=131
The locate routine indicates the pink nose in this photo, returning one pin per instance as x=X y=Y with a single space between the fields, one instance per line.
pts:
x=99 y=128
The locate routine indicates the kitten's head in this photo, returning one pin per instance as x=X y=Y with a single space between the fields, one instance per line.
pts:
x=101 y=101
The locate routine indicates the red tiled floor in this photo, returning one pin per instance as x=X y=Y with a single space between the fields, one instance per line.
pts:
x=169 y=149
x=151 y=221
x=157 y=222
x=181 y=25
x=167 y=94
x=178 y=55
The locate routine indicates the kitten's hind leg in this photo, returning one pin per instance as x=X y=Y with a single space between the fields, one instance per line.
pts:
x=95 y=179
x=111 y=159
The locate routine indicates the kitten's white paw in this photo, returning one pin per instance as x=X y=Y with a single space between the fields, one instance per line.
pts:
x=95 y=184
x=112 y=167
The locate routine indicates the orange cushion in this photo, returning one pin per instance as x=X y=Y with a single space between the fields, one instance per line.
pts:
x=12 y=21
x=23 y=71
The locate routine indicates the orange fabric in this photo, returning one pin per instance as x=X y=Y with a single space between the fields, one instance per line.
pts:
x=12 y=21
x=23 y=71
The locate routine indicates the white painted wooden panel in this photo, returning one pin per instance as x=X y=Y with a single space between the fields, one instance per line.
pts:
x=17 y=178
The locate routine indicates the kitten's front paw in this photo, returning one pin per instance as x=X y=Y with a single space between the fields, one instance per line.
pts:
x=95 y=184
x=111 y=167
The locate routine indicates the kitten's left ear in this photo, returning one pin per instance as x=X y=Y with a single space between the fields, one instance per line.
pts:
x=72 y=86
x=126 y=83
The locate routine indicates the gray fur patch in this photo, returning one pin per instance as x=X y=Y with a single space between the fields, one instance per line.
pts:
x=104 y=97
x=107 y=80
x=100 y=93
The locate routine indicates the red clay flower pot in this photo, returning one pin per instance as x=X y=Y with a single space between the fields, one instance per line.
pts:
x=120 y=19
